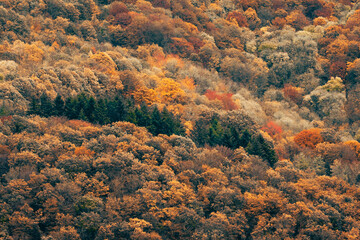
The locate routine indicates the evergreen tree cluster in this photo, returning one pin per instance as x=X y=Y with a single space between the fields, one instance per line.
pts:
x=104 y=111
x=156 y=121
x=83 y=107
x=3 y=110
x=215 y=133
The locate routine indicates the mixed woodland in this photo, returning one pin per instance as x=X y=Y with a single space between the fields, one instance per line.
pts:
x=179 y=119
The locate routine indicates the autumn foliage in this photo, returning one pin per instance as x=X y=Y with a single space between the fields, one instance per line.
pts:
x=225 y=98
x=179 y=119
x=293 y=93
x=273 y=129
x=309 y=138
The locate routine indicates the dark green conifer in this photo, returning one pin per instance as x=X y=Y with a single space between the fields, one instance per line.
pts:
x=58 y=106
x=46 y=107
x=101 y=112
x=245 y=139
x=70 y=108
x=156 y=122
x=216 y=133
x=34 y=107
x=90 y=109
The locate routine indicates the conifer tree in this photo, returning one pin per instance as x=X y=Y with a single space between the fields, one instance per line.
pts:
x=168 y=124
x=215 y=133
x=143 y=115
x=46 y=107
x=82 y=115
x=101 y=112
x=90 y=109
x=34 y=107
x=245 y=139
x=116 y=109
x=258 y=146
x=156 y=122
x=200 y=132
x=58 y=106
x=70 y=108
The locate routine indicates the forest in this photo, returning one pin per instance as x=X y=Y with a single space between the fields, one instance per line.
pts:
x=179 y=119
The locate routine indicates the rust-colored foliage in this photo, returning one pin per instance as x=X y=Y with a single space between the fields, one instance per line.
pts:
x=161 y=3
x=225 y=98
x=279 y=22
x=355 y=146
x=120 y=13
x=297 y=19
x=181 y=46
x=5 y=118
x=293 y=93
x=76 y=124
x=309 y=138
x=338 y=69
x=83 y=151
x=238 y=17
x=272 y=129
x=353 y=20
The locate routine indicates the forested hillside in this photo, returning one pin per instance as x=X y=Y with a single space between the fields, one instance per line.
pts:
x=179 y=119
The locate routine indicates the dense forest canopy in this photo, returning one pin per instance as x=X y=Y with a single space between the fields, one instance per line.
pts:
x=134 y=119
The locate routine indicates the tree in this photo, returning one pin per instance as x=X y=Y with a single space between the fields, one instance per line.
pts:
x=59 y=106
x=156 y=122
x=309 y=138
x=70 y=108
x=34 y=107
x=258 y=146
x=117 y=109
x=245 y=139
x=297 y=19
x=215 y=133
x=100 y=112
x=46 y=107
x=272 y=129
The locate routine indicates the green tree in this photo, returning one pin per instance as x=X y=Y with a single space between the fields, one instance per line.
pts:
x=90 y=109
x=156 y=122
x=258 y=146
x=34 y=107
x=216 y=133
x=46 y=107
x=70 y=108
x=116 y=109
x=245 y=139
x=58 y=106
x=101 y=112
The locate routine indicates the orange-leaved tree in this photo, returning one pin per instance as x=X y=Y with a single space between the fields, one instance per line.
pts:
x=272 y=129
x=309 y=138
x=225 y=98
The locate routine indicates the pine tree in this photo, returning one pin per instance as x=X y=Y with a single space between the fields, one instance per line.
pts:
x=245 y=139
x=143 y=115
x=34 y=107
x=82 y=103
x=258 y=146
x=200 y=133
x=90 y=109
x=177 y=127
x=168 y=124
x=58 y=106
x=70 y=108
x=216 y=133
x=82 y=115
x=116 y=109
x=156 y=122
x=46 y=107
x=226 y=141
x=101 y=112
x=131 y=117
